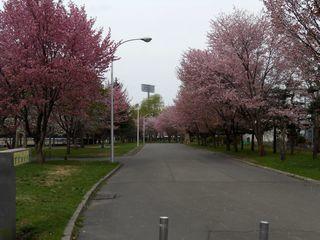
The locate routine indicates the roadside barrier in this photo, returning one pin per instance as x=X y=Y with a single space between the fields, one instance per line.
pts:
x=164 y=229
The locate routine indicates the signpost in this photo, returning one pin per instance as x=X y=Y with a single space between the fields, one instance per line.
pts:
x=8 y=160
x=147 y=88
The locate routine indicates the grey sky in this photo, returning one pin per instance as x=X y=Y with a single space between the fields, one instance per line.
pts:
x=174 y=25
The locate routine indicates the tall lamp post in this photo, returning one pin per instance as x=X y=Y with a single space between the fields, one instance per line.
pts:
x=138 y=125
x=146 y=39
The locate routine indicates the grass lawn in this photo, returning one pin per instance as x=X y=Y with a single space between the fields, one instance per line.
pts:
x=90 y=151
x=48 y=194
x=301 y=163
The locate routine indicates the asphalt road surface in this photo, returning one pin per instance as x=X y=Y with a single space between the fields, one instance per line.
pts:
x=207 y=196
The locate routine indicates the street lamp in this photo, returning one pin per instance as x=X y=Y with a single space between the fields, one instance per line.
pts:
x=138 y=125
x=145 y=39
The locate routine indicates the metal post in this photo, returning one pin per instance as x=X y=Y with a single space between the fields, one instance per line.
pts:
x=112 y=117
x=144 y=130
x=264 y=230
x=145 y=39
x=138 y=127
x=163 y=228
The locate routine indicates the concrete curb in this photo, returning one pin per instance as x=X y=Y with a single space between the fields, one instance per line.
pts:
x=134 y=151
x=69 y=230
x=248 y=162
x=278 y=171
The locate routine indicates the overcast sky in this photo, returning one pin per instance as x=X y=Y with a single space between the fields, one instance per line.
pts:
x=174 y=25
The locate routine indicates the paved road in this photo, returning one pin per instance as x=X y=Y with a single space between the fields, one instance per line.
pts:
x=207 y=196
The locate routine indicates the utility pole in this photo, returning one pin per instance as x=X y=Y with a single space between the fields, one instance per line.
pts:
x=138 y=126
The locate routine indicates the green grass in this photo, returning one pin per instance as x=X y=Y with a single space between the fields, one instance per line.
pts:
x=90 y=151
x=301 y=163
x=48 y=194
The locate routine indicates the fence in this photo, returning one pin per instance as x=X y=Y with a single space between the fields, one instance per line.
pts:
x=164 y=229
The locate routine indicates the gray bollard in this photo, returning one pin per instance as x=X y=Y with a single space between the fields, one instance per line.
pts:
x=163 y=228
x=264 y=230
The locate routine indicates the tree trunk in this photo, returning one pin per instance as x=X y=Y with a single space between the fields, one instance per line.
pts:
x=13 y=142
x=274 y=139
x=242 y=142
x=252 y=142
x=235 y=136
x=205 y=143
x=25 y=140
x=102 y=143
x=214 y=141
x=283 y=144
x=235 y=142
x=82 y=142
x=39 y=150
x=17 y=137
x=292 y=144
x=315 y=137
x=228 y=142
x=260 y=144
x=40 y=131
x=50 y=142
x=68 y=144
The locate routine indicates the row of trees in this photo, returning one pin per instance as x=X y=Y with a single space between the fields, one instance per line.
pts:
x=258 y=72
x=52 y=64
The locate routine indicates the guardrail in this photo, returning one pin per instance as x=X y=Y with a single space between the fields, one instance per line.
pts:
x=164 y=229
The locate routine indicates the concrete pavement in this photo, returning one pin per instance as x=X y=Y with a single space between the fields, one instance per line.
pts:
x=207 y=196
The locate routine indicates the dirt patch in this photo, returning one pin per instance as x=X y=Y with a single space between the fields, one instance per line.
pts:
x=58 y=174
x=25 y=198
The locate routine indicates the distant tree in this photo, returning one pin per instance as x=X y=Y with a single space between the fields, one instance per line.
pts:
x=152 y=106
x=99 y=114
x=165 y=123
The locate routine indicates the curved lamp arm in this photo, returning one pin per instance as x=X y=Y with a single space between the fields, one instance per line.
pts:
x=146 y=39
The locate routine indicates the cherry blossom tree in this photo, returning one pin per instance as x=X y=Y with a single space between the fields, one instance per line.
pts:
x=247 y=57
x=298 y=22
x=214 y=102
x=71 y=112
x=99 y=113
x=165 y=123
x=48 y=50
x=231 y=84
